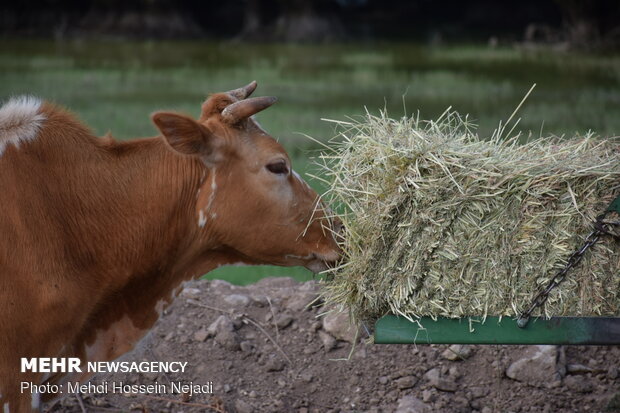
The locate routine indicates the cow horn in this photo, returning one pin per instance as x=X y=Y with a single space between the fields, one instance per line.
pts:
x=243 y=92
x=246 y=108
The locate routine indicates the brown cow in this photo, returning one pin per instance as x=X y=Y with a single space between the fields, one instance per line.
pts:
x=97 y=236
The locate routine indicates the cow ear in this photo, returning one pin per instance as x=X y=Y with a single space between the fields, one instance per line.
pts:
x=183 y=133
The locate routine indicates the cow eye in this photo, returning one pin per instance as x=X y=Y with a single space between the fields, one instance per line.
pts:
x=279 y=168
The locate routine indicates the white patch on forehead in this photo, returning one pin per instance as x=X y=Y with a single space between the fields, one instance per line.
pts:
x=35 y=400
x=20 y=121
x=6 y=408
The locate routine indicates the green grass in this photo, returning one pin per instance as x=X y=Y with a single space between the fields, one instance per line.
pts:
x=114 y=86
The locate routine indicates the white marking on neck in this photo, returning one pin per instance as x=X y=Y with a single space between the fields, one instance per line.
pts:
x=20 y=121
x=202 y=216
x=202 y=219
x=213 y=189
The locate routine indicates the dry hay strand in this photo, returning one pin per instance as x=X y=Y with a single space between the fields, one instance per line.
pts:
x=440 y=222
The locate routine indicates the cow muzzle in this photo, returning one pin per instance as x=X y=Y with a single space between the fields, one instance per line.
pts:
x=322 y=262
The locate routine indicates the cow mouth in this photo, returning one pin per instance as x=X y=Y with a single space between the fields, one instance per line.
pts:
x=320 y=262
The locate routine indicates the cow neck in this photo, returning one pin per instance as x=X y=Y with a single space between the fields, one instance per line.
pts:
x=153 y=225
x=138 y=209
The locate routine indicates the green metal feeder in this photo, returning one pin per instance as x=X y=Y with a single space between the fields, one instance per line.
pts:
x=495 y=330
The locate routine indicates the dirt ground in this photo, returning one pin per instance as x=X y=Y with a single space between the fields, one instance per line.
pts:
x=266 y=348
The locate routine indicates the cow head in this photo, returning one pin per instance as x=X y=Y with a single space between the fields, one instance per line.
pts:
x=250 y=201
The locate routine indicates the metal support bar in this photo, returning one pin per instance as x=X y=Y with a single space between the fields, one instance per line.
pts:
x=555 y=330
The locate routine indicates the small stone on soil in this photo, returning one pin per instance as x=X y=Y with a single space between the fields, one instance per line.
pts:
x=428 y=396
x=274 y=364
x=338 y=324
x=228 y=339
x=578 y=369
x=222 y=323
x=301 y=301
x=283 y=320
x=237 y=300
x=434 y=378
x=539 y=366
x=410 y=404
x=329 y=342
x=243 y=407
x=406 y=382
x=201 y=335
x=246 y=346
x=578 y=384
x=479 y=391
x=457 y=352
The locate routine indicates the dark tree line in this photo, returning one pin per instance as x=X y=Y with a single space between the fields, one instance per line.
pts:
x=580 y=23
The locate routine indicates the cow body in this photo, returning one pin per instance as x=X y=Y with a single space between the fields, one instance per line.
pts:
x=98 y=236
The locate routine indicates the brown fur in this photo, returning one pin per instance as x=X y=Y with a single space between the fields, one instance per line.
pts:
x=96 y=232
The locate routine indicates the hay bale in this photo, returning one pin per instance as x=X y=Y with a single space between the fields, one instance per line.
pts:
x=441 y=222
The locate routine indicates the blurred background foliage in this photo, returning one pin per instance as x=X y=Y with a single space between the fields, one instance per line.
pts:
x=579 y=23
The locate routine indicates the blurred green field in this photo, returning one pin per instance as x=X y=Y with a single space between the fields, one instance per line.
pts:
x=115 y=85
